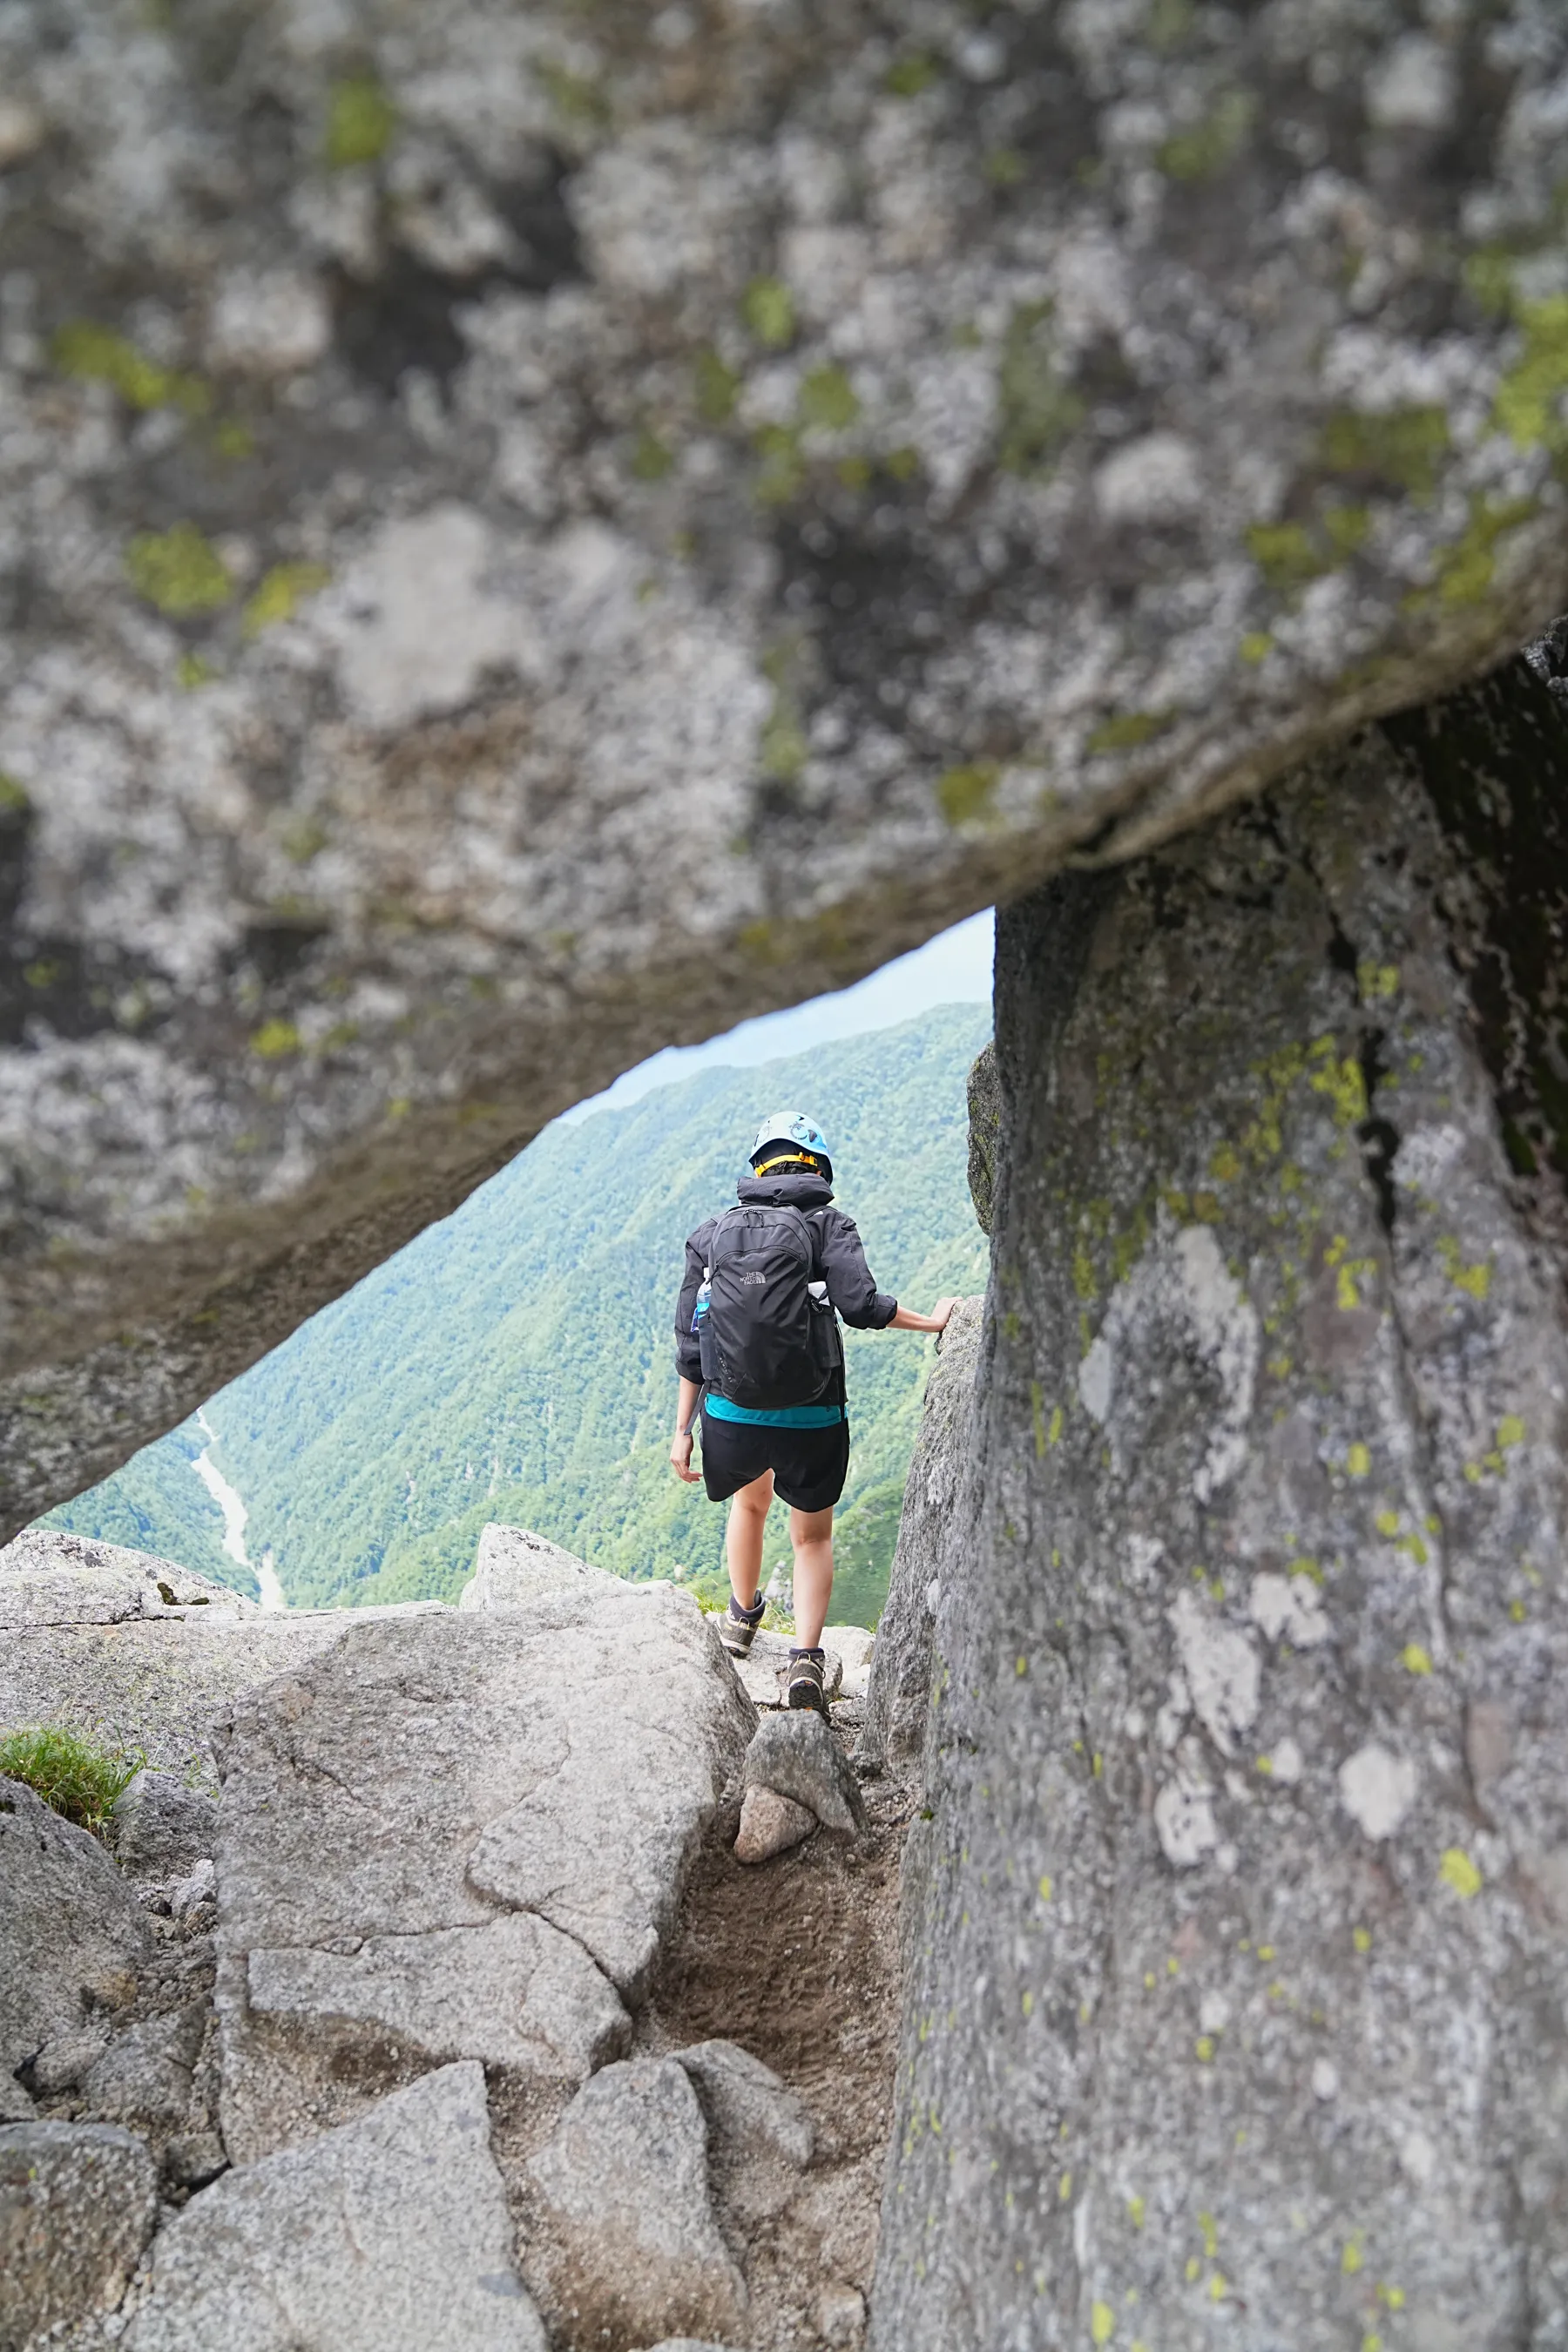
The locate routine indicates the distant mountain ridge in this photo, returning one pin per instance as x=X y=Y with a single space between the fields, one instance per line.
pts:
x=515 y=1361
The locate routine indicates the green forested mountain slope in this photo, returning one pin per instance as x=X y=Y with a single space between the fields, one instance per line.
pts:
x=515 y=1361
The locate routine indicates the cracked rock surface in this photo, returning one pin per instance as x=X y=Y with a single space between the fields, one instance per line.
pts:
x=866 y=457
x=1235 y=1943
x=461 y=1835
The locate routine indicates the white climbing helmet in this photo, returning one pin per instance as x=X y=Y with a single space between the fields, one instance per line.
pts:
x=793 y=1130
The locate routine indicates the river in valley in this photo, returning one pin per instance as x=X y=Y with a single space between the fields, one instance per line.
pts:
x=234 y=1517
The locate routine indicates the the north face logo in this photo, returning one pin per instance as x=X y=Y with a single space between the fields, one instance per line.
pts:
x=753 y=1277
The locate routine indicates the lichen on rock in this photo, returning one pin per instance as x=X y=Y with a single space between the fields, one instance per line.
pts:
x=1244 y=1766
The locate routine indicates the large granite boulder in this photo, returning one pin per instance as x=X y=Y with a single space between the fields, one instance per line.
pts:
x=513 y=1565
x=50 y=1579
x=623 y=2242
x=390 y=2235
x=1237 y=1963
x=461 y=1836
x=90 y=1639
x=532 y=535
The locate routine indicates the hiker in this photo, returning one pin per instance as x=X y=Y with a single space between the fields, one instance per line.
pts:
x=758 y=1350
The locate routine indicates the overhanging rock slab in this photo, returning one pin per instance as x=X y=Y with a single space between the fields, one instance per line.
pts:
x=520 y=554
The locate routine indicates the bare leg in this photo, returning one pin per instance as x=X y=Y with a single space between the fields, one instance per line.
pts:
x=743 y=1538
x=810 y=1533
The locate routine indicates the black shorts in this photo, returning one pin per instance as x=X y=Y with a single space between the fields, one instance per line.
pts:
x=809 y=1465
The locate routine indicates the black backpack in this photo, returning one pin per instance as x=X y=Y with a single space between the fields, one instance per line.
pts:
x=767 y=1340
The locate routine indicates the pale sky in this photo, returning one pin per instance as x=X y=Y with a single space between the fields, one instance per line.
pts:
x=952 y=968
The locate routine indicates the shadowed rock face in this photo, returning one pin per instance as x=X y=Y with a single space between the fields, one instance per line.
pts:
x=529 y=536
x=1236 y=1960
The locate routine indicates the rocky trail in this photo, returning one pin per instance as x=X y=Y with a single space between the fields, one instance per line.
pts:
x=423 y=1999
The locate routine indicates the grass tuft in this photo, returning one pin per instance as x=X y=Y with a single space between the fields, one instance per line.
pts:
x=74 y=1776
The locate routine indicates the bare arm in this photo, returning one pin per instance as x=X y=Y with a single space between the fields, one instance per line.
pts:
x=906 y=1319
x=680 y=1444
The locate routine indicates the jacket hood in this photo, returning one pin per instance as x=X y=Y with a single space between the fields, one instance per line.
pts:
x=784 y=1191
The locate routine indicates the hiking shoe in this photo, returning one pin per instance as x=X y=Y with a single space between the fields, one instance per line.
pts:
x=740 y=1624
x=806 y=1674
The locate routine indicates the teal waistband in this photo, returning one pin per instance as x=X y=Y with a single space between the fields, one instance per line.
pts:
x=783 y=1416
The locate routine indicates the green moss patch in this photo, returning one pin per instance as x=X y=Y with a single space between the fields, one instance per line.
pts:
x=75 y=1775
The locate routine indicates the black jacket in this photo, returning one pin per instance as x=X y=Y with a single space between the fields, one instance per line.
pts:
x=841 y=1259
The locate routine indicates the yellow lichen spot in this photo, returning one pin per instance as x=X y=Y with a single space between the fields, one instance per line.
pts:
x=1128 y=730
x=1336 y=1250
x=1054 y=1431
x=1372 y=2343
x=1256 y=646
x=1047 y=1886
x=1101 y=2323
x=768 y=308
x=192 y=671
x=1266 y=1951
x=274 y=1039
x=1204 y=2048
x=1393 y=2296
x=1509 y=1432
x=828 y=398
x=1218 y=2289
x=1211 y=2234
x=1021 y=1665
x=1414 y=1659
x=1375 y=980
x=361 y=120
x=1358 y=1460
x=281 y=592
x=1038 y=1414
x=1361 y=1939
x=1458 y=1871
x=1148 y=1979
x=1474 y=1473
x=1516 y=1611
x=1344 y=1084
x=1064 y=2188
x=1351 y=2258
x=1136 y=2212
x=1387 y=1523
x=178 y=572
x=1097 y=1764
x=1346 y=1295
x=1225 y=1167
x=1278 y=1368
x=1194 y=2267
x=1028 y=2004
x=1476 y=1280
x=964 y=794
x=1172 y=1966
x=1266 y=1764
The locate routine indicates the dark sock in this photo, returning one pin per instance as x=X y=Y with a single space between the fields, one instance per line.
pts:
x=807 y=1653
x=753 y=1612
